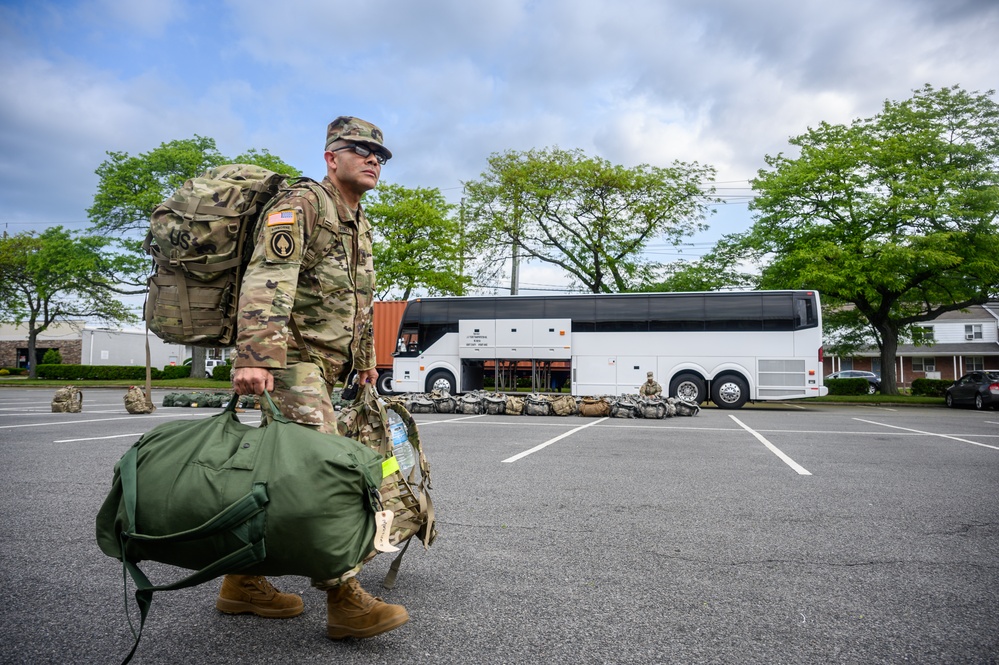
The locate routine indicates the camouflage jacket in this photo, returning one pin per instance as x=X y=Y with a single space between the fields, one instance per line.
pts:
x=331 y=303
x=650 y=389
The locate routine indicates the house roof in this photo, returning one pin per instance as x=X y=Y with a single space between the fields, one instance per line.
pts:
x=956 y=349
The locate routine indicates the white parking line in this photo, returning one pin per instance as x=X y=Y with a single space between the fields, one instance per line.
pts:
x=105 y=420
x=551 y=441
x=942 y=436
x=802 y=471
x=450 y=420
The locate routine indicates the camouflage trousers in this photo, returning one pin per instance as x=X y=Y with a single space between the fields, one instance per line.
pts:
x=302 y=395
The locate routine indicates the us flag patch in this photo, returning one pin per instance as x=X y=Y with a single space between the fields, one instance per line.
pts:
x=282 y=217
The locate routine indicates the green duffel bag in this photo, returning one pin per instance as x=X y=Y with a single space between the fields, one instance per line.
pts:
x=217 y=496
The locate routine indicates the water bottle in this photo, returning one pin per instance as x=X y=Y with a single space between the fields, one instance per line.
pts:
x=401 y=447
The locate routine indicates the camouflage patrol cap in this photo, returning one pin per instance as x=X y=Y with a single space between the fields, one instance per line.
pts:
x=649 y=374
x=347 y=128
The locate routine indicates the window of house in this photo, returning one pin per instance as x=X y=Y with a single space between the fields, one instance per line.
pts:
x=845 y=364
x=973 y=331
x=923 y=334
x=974 y=363
x=924 y=364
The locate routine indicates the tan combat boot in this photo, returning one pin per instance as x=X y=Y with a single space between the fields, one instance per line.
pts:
x=241 y=594
x=353 y=612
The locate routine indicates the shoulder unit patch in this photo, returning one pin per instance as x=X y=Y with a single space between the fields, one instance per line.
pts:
x=282 y=244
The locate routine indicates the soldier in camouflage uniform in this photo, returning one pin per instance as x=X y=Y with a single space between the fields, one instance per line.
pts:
x=651 y=387
x=328 y=310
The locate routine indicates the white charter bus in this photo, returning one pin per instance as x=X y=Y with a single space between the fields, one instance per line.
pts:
x=729 y=347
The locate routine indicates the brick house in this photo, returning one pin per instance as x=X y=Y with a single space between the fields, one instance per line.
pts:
x=963 y=341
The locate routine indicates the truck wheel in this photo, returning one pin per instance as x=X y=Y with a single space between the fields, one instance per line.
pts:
x=441 y=379
x=729 y=392
x=384 y=383
x=688 y=387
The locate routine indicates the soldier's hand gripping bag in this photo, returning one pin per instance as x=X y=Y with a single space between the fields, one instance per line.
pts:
x=406 y=495
x=217 y=496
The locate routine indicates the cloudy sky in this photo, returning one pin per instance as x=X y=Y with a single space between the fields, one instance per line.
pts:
x=720 y=82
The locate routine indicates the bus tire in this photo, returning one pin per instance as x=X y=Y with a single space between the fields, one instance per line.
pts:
x=688 y=387
x=729 y=392
x=441 y=379
x=384 y=382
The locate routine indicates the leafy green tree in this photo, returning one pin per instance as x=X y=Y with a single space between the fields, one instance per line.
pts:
x=418 y=242
x=130 y=188
x=52 y=357
x=719 y=269
x=589 y=217
x=892 y=218
x=59 y=276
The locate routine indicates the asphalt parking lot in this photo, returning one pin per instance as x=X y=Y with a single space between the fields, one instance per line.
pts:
x=780 y=533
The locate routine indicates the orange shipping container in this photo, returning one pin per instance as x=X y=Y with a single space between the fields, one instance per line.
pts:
x=387 y=315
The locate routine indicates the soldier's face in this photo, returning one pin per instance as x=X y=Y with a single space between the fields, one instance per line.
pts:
x=354 y=172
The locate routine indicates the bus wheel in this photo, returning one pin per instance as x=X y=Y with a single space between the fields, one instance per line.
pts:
x=441 y=380
x=688 y=387
x=729 y=392
x=384 y=382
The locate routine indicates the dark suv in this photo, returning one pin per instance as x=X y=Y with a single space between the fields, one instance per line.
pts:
x=873 y=379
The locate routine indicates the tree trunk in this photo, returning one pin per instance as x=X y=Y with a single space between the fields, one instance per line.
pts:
x=198 y=362
x=889 y=348
x=32 y=344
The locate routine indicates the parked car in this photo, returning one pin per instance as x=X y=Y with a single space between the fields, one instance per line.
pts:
x=873 y=379
x=977 y=389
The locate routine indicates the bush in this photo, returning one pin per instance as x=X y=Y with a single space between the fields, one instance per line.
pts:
x=174 y=372
x=222 y=372
x=930 y=387
x=13 y=371
x=108 y=372
x=847 y=386
x=52 y=357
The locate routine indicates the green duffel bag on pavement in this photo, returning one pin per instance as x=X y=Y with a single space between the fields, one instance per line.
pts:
x=217 y=496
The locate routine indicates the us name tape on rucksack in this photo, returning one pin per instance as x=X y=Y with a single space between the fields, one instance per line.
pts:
x=201 y=239
x=406 y=495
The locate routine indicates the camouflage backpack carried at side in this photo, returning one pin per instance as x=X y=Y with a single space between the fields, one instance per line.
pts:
x=201 y=239
x=406 y=495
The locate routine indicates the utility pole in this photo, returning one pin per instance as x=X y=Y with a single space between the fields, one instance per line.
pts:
x=515 y=268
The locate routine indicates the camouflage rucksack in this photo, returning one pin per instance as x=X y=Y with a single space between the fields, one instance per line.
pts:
x=494 y=404
x=407 y=496
x=537 y=404
x=563 y=405
x=201 y=239
x=594 y=407
x=67 y=400
x=514 y=405
x=137 y=402
x=470 y=403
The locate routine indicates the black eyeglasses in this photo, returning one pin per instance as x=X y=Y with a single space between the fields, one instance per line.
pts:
x=363 y=151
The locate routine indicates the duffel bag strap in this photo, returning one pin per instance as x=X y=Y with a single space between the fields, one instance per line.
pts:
x=244 y=518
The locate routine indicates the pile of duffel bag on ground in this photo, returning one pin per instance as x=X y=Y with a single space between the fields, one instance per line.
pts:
x=538 y=404
x=482 y=402
x=213 y=400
